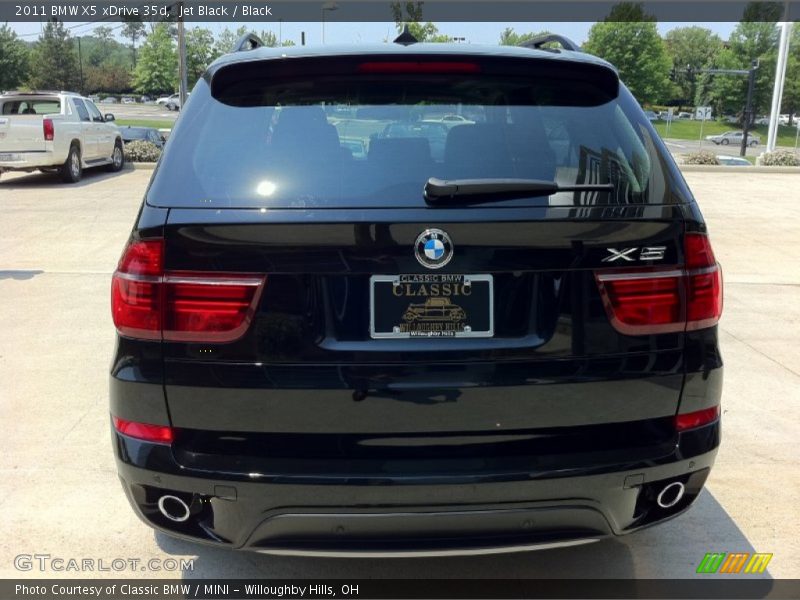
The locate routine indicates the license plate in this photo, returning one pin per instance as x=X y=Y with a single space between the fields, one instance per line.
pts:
x=9 y=157
x=431 y=305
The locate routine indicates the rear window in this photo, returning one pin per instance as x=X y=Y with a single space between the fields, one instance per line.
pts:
x=31 y=107
x=365 y=132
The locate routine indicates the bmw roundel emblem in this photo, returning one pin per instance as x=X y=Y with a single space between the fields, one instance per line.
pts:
x=433 y=248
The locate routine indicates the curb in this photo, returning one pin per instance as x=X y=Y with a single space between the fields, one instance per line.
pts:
x=141 y=166
x=723 y=168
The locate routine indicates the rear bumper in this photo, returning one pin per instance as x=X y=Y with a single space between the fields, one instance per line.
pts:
x=24 y=161
x=394 y=515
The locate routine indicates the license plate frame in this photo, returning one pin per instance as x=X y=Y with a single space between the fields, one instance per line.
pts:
x=441 y=320
x=9 y=157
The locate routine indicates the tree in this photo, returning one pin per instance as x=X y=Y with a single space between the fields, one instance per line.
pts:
x=199 y=53
x=157 y=69
x=691 y=48
x=271 y=40
x=423 y=32
x=509 y=37
x=750 y=41
x=133 y=30
x=629 y=40
x=13 y=59
x=99 y=52
x=53 y=62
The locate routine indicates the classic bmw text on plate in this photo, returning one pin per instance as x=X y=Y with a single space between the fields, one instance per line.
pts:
x=431 y=306
x=414 y=299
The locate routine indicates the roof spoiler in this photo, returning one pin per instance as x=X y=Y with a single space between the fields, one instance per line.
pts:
x=540 y=40
x=249 y=41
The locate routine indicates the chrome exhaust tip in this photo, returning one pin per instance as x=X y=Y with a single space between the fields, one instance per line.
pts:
x=173 y=508
x=670 y=495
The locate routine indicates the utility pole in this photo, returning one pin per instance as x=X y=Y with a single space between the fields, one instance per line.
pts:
x=748 y=110
x=182 y=75
x=80 y=64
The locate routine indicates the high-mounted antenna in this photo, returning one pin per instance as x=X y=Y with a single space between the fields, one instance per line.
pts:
x=405 y=38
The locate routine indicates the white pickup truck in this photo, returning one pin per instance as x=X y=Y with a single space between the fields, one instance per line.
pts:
x=56 y=132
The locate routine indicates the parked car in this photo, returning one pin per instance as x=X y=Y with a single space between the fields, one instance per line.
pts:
x=56 y=132
x=128 y=100
x=733 y=161
x=146 y=100
x=147 y=134
x=109 y=100
x=174 y=102
x=95 y=99
x=165 y=99
x=764 y=120
x=267 y=392
x=651 y=116
x=734 y=138
x=684 y=115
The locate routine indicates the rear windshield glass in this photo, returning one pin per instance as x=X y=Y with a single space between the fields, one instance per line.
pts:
x=370 y=135
x=31 y=107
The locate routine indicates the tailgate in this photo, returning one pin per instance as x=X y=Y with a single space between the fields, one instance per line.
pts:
x=310 y=362
x=21 y=133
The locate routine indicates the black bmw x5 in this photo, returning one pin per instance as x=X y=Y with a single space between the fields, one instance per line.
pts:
x=414 y=299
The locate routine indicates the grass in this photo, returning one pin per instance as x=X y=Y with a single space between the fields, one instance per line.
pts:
x=148 y=123
x=690 y=130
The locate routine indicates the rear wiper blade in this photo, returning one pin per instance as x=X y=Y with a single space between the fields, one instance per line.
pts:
x=461 y=191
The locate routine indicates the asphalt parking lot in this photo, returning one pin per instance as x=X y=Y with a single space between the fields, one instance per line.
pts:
x=59 y=245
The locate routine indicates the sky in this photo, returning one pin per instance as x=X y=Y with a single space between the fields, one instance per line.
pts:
x=354 y=33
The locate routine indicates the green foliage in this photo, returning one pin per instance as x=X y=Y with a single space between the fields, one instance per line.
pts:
x=142 y=151
x=703 y=157
x=54 y=61
x=636 y=49
x=157 y=69
x=133 y=30
x=750 y=41
x=199 y=53
x=780 y=158
x=509 y=37
x=694 y=48
x=13 y=59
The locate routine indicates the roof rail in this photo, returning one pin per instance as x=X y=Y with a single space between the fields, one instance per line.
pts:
x=541 y=40
x=249 y=41
x=406 y=38
x=39 y=92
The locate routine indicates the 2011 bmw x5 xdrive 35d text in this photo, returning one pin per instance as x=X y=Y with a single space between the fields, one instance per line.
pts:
x=499 y=339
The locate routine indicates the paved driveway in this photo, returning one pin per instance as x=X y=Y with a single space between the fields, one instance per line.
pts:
x=59 y=244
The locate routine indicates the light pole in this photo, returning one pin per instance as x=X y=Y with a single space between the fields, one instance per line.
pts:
x=327 y=6
x=777 y=90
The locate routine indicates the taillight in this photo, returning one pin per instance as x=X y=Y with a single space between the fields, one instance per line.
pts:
x=402 y=67
x=697 y=418
x=160 y=434
x=148 y=302
x=643 y=302
x=49 y=130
